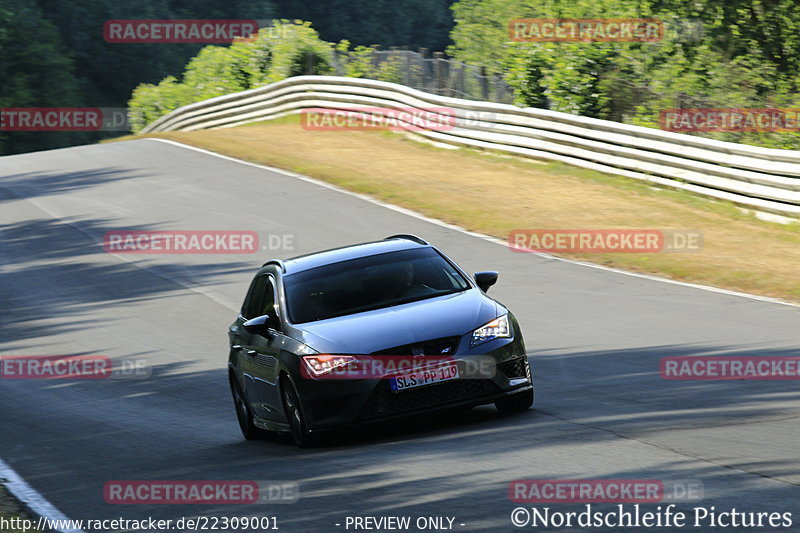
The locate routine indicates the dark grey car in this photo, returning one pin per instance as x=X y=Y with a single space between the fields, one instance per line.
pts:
x=307 y=317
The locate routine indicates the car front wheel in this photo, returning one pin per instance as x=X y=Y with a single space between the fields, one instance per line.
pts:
x=294 y=415
x=243 y=414
x=520 y=401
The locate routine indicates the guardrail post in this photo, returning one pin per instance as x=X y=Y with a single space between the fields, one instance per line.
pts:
x=484 y=80
x=438 y=67
x=375 y=61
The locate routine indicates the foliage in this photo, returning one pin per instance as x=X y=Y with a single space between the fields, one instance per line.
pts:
x=715 y=53
x=52 y=52
x=289 y=48
x=411 y=23
x=33 y=73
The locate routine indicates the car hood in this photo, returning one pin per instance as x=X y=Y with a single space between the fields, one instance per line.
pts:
x=371 y=331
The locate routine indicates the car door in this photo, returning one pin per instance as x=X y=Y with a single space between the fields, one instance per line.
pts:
x=242 y=340
x=263 y=352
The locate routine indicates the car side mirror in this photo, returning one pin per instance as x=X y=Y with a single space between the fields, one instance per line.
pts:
x=486 y=279
x=259 y=326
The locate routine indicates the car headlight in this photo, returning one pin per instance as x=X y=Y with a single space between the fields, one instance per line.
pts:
x=496 y=329
x=320 y=365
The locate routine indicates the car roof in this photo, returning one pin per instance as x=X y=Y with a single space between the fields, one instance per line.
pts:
x=345 y=253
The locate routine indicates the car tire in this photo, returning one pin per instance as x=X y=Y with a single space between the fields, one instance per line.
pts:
x=294 y=414
x=243 y=414
x=515 y=403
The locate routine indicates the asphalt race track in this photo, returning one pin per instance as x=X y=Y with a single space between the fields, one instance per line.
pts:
x=594 y=337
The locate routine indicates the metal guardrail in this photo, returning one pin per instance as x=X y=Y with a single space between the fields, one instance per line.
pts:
x=763 y=179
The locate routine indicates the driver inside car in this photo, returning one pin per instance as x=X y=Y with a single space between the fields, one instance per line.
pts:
x=400 y=281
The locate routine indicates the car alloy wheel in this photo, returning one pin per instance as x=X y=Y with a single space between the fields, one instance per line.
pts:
x=294 y=415
x=520 y=401
x=243 y=414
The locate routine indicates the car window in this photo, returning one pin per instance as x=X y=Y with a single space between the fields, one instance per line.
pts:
x=268 y=305
x=254 y=303
x=260 y=301
x=370 y=283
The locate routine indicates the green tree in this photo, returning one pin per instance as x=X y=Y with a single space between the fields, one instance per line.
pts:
x=411 y=23
x=715 y=53
x=34 y=72
x=289 y=48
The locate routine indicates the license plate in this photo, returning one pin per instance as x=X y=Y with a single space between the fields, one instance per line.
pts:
x=424 y=376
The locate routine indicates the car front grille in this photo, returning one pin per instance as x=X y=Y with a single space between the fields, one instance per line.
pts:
x=385 y=401
x=442 y=346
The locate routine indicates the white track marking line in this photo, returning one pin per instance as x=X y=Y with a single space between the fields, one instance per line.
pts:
x=487 y=238
x=34 y=501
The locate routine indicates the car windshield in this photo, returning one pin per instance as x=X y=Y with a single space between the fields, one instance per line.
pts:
x=369 y=283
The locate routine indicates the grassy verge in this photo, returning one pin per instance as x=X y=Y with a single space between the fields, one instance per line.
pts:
x=494 y=194
x=10 y=511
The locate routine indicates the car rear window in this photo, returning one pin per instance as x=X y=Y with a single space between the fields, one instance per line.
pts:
x=369 y=283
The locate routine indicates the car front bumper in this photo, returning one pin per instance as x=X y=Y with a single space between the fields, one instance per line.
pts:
x=330 y=404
